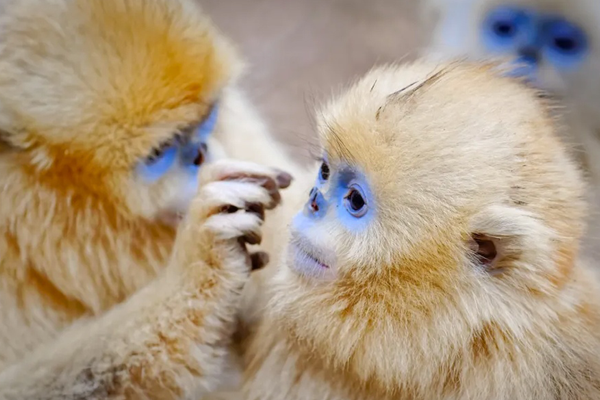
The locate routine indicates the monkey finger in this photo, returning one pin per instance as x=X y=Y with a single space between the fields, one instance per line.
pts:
x=228 y=197
x=243 y=227
x=281 y=181
x=268 y=184
x=236 y=170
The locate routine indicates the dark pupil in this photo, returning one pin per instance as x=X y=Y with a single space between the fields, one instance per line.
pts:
x=566 y=44
x=356 y=200
x=504 y=28
x=325 y=171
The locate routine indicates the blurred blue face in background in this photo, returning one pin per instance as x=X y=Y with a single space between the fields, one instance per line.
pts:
x=534 y=38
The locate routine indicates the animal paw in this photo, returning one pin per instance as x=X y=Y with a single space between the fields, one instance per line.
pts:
x=229 y=209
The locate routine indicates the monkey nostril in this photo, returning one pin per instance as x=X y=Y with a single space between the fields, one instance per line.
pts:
x=313 y=205
x=200 y=156
x=312 y=200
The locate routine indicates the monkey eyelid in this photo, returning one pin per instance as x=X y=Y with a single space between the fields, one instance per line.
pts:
x=184 y=135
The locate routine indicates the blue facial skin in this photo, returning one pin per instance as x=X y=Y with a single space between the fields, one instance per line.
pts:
x=569 y=44
x=187 y=154
x=208 y=125
x=347 y=192
x=534 y=38
x=152 y=170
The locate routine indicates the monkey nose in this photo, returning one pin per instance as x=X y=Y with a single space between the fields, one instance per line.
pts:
x=316 y=202
x=525 y=66
x=528 y=55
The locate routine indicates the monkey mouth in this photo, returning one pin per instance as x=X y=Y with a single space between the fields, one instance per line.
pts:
x=306 y=260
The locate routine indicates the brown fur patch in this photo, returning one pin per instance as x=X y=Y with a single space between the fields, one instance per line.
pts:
x=488 y=343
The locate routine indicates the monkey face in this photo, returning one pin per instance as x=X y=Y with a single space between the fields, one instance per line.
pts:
x=549 y=43
x=170 y=171
x=341 y=202
x=533 y=39
x=121 y=120
x=438 y=207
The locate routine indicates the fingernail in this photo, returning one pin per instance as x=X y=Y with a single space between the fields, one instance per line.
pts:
x=275 y=200
x=257 y=209
x=252 y=238
x=259 y=260
x=269 y=184
x=284 y=179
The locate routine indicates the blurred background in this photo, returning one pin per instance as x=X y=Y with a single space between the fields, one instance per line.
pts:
x=298 y=52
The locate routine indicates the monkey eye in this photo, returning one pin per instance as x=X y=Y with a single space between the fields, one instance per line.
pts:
x=566 y=43
x=158 y=162
x=355 y=202
x=502 y=26
x=324 y=172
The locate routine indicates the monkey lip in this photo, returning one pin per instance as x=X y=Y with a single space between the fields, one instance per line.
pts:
x=310 y=258
x=305 y=259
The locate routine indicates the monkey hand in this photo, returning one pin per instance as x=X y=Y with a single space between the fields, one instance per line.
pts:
x=183 y=322
x=226 y=216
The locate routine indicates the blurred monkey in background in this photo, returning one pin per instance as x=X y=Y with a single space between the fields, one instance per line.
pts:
x=552 y=44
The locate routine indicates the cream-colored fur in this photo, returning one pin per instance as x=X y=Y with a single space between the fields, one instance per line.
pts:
x=457 y=34
x=93 y=303
x=411 y=308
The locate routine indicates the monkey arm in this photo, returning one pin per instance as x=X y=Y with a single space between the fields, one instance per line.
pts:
x=170 y=340
x=159 y=343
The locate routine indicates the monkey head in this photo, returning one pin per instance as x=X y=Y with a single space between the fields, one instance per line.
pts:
x=113 y=102
x=108 y=109
x=553 y=44
x=445 y=214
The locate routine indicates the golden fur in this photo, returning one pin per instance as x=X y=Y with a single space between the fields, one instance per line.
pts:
x=457 y=34
x=451 y=151
x=87 y=88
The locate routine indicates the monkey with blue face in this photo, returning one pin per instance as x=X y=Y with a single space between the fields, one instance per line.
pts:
x=123 y=229
x=552 y=44
x=437 y=255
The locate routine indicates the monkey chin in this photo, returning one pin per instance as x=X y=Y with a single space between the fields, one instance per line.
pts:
x=305 y=259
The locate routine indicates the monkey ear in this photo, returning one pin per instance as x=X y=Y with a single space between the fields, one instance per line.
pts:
x=485 y=249
x=502 y=236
